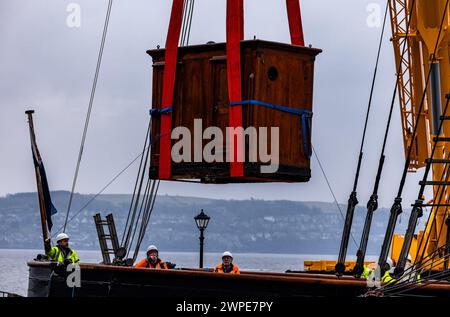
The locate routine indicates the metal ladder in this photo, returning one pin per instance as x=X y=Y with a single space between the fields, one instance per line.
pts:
x=104 y=238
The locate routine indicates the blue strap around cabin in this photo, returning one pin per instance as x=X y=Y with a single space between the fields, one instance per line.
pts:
x=303 y=113
x=155 y=112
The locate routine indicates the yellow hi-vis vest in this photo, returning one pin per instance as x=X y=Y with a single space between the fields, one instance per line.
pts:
x=56 y=254
x=366 y=273
x=387 y=278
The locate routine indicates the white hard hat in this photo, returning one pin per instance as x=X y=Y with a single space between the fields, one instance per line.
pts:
x=227 y=253
x=61 y=236
x=152 y=248
x=409 y=258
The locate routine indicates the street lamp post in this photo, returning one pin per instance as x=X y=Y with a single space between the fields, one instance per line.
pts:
x=202 y=222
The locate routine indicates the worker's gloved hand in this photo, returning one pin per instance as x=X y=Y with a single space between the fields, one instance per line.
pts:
x=48 y=244
x=67 y=262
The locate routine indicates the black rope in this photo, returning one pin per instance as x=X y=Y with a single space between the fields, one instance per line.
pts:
x=88 y=115
x=440 y=191
x=146 y=217
x=134 y=225
x=408 y=279
x=142 y=202
x=396 y=207
x=188 y=11
x=109 y=183
x=331 y=191
x=372 y=204
x=372 y=89
x=417 y=268
x=418 y=208
x=353 y=199
x=99 y=192
x=141 y=178
x=147 y=136
x=405 y=286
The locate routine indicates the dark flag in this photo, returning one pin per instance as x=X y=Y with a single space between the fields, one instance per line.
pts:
x=45 y=200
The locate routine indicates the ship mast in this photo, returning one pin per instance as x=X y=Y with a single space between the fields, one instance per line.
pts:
x=39 y=179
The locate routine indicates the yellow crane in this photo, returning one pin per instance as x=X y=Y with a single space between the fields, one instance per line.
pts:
x=427 y=55
x=421 y=42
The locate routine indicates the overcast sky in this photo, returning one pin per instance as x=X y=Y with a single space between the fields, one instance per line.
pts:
x=47 y=66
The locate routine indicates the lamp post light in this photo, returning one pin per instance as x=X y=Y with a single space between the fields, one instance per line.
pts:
x=201 y=220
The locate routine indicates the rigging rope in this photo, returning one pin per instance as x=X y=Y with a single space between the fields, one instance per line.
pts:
x=145 y=147
x=372 y=204
x=411 y=280
x=88 y=115
x=331 y=190
x=418 y=267
x=146 y=217
x=134 y=225
x=188 y=12
x=353 y=200
x=135 y=200
x=99 y=192
x=418 y=208
x=355 y=184
x=142 y=202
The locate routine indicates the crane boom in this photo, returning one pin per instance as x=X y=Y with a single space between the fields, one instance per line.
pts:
x=410 y=83
x=425 y=37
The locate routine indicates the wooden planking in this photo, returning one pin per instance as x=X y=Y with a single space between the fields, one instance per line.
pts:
x=201 y=92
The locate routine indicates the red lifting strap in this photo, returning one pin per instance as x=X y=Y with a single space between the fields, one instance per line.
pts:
x=170 y=69
x=235 y=33
x=295 y=22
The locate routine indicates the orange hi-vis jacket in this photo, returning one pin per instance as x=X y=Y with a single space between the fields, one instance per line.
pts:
x=147 y=264
x=233 y=269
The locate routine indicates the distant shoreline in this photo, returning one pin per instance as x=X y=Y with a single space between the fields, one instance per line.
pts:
x=210 y=252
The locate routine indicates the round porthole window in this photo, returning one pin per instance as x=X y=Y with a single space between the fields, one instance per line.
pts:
x=272 y=73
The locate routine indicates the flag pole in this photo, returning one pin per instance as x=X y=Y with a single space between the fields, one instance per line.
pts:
x=37 y=160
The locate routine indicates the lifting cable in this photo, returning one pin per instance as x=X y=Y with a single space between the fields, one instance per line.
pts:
x=353 y=201
x=396 y=208
x=88 y=115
